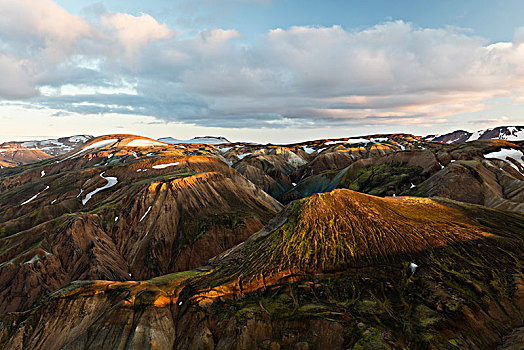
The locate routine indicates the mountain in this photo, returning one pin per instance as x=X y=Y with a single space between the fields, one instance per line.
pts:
x=336 y=270
x=208 y=140
x=13 y=154
x=56 y=147
x=510 y=133
x=121 y=207
x=385 y=241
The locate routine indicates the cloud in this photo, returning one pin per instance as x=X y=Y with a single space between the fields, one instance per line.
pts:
x=390 y=73
x=132 y=32
x=41 y=26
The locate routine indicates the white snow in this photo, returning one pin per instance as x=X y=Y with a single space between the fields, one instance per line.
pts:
x=476 y=135
x=34 y=259
x=379 y=139
x=224 y=149
x=36 y=195
x=294 y=184
x=111 y=181
x=208 y=140
x=394 y=195
x=97 y=144
x=135 y=155
x=81 y=191
x=179 y=303
x=413 y=268
x=412 y=186
x=42 y=173
x=116 y=219
x=350 y=141
x=402 y=147
x=109 y=156
x=78 y=138
x=147 y=212
x=54 y=201
x=163 y=166
x=144 y=143
x=242 y=156
x=308 y=150
x=515 y=134
x=504 y=153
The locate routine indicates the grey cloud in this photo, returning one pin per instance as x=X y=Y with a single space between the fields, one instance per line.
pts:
x=392 y=72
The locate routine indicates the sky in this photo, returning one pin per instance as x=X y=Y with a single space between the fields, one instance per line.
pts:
x=259 y=70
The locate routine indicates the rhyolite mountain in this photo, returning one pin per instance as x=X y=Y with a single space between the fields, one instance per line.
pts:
x=13 y=154
x=385 y=241
x=58 y=146
x=335 y=270
x=510 y=133
x=16 y=153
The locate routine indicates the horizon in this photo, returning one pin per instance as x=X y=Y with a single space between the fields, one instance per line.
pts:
x=258 y=70
x=43 y=137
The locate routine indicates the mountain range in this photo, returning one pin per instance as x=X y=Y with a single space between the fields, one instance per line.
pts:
x=374 y=242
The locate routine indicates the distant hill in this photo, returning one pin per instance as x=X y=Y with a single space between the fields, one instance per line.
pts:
x=510 y=133
x=13 y=154
x=207 y=140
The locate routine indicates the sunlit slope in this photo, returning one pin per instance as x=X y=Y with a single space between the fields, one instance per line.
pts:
x=343 y=229
x=122 y=207
x=361 y=270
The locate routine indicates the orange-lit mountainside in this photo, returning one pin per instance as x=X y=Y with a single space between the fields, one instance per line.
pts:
x=382 y=241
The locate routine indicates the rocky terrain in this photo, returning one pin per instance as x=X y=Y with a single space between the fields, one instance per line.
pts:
x=385 y=241
x=12 y=154
x=511 y=133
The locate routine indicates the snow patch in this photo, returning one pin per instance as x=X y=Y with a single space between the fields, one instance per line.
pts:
x=42 y=173
x=111 y=181
x=413 y=268
x=163 y=166
x=94 y=145
x=144 y=143
x=34 y=197
x=308 y=150
x=506 y=153
x=147 y=212
x=475 y=136
x=350 y=142
x=242 y=156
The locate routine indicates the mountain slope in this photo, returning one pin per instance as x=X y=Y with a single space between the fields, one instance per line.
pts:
x=119 y=207
x=59 y=146
x=338 y=270
x=510 y=133
x=12 y=154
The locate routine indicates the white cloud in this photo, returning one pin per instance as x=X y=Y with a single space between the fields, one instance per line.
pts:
x=389 y=73
x=132 y=32
x=41 y=27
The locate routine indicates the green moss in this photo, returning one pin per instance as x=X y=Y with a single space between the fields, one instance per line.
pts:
x=371 y=339
x=380 y=180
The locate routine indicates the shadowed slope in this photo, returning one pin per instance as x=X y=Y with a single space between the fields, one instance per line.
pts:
x=119 y=208
x=335 y=266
